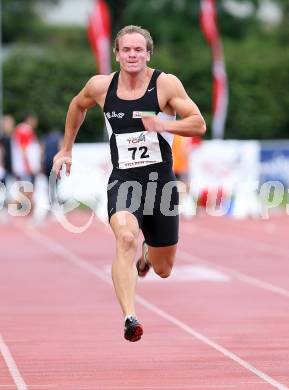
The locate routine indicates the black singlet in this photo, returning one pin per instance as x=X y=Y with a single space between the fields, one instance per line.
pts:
x=135 y=153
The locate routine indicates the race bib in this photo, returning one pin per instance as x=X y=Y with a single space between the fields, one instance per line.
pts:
x=138 y=149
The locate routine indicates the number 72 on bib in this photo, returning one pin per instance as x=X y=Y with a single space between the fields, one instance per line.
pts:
x=138 y=149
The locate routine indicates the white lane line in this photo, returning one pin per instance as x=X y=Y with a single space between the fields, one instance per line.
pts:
x=54 y=246
x=12 y=367
x=261 y=246
x=152 y=387
x=186 y=273
x=238 y=275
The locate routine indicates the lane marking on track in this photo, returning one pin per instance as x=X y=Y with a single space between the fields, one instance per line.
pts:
x=186 y=273
x=261 y=246
x=190 y=273
x=238 y=275
x=129 y=387
x=251 y=280
x=58 y=249
x=12 y=367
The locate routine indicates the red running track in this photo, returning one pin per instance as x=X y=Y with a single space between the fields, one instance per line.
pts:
x=220 y=322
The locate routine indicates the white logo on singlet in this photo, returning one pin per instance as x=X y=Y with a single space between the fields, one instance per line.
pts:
x=149 y=90
x=119 y=115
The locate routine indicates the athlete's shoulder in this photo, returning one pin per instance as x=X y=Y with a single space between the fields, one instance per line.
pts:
x=99 y=83
x=169 y=84
x=169 y=79
x=97 y=87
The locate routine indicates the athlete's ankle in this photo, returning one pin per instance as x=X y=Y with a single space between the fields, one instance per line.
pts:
x=129 y=316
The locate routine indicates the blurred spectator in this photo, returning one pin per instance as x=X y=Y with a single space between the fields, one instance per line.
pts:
x=26 y=153
x=181 y=155
x=50 y=143
x=7 y=127
x=24 y=139
x=182 y=147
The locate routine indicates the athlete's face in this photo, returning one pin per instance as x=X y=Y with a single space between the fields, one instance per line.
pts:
x=132 y=54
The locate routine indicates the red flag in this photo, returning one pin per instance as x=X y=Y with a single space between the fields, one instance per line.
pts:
x=208 y=21
x=99 y=33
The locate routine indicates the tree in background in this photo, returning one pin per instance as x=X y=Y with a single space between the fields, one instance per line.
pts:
x=20 y=19
x=44 y=76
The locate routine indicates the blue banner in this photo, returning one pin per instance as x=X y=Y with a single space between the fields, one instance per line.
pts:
x=274 y=162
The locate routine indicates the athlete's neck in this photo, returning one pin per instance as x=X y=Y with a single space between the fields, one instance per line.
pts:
x=134 y=81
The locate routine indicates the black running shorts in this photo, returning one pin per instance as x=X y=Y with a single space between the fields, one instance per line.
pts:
x=154 y=204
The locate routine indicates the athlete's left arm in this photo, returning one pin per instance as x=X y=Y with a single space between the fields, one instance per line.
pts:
x=191 y=123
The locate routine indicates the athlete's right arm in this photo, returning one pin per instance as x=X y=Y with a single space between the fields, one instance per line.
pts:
x=88 y=97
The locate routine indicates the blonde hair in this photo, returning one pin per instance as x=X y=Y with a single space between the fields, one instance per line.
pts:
x=131 y=30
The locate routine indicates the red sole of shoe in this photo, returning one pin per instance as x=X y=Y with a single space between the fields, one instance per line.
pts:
x=134 y=334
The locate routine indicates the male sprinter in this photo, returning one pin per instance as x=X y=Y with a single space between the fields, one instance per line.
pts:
x=140 y=106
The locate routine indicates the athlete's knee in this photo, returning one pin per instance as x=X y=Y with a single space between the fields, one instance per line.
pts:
x=164 y=272
x=162 y=264
x=127 y=240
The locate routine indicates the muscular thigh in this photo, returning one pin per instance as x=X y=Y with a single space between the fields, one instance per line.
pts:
x=121 y=197
x=161 y=229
